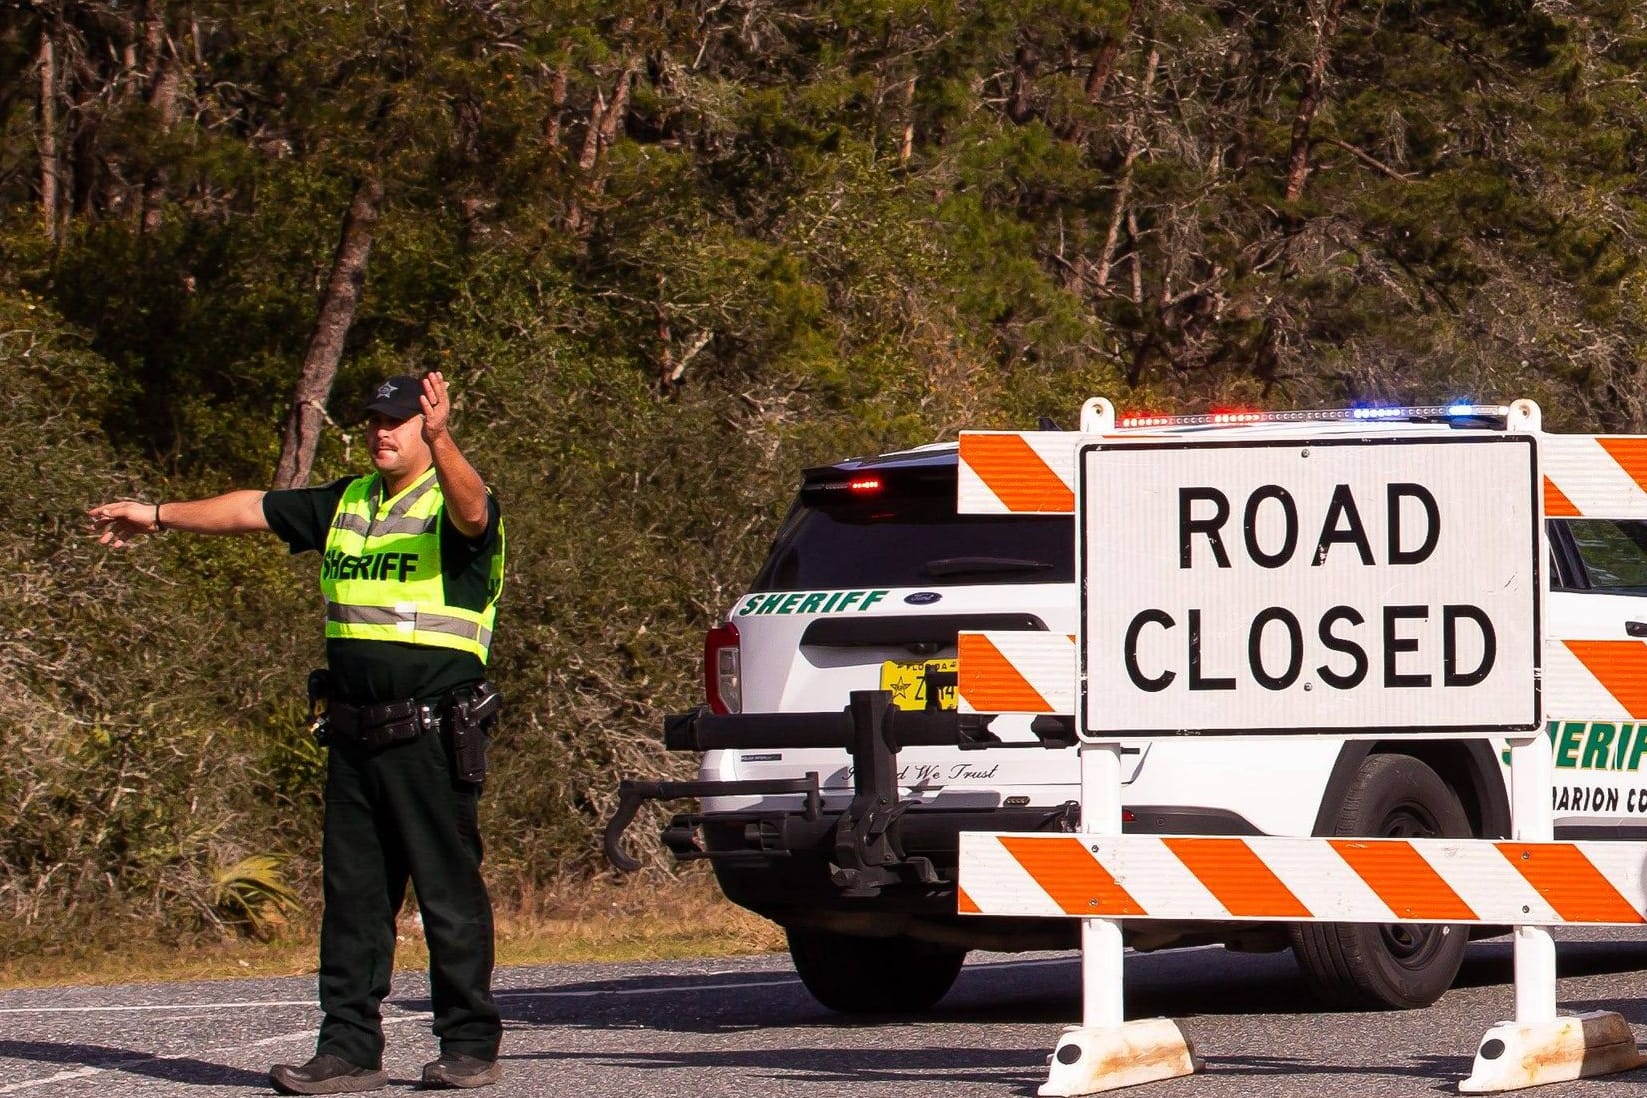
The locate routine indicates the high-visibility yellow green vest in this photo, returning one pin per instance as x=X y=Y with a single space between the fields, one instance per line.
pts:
x=381 y=571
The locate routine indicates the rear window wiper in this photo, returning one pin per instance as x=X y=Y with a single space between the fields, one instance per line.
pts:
x=957 y=566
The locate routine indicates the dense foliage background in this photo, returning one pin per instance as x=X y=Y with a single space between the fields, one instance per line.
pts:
x=670 y=254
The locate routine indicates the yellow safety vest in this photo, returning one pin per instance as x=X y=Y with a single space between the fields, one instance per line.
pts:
x=381 y=572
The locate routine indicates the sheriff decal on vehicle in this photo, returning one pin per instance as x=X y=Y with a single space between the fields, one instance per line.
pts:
x=810 y=602
x=1594 y=745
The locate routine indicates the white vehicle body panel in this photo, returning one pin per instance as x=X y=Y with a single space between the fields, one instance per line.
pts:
x=782 y=675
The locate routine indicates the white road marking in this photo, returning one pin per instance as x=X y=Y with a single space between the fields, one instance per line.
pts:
x=137 y=1008
x=550 y=994
x=50 y=1080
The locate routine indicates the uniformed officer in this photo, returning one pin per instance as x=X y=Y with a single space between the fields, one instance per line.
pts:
x=411 y=570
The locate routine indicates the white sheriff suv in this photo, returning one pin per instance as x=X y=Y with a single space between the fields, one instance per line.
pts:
x=836 y=771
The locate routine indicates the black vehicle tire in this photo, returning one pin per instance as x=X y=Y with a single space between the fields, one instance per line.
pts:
x=1399 y=965
x=854 y=975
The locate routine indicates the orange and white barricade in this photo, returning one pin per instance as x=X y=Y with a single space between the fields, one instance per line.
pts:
x=1101 y=876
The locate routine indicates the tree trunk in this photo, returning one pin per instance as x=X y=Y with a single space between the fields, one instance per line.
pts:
x=164 y=85
x=50 y=160
x=1100 y=71
x=1309 y=99
x=1123 y=191
x=557 y=104
x=1021 y=102
x=906 y=143
x=337 y=313
x=1103 y=65
x=604 y=119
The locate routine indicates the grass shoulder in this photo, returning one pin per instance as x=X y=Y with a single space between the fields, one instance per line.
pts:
x=601 y=920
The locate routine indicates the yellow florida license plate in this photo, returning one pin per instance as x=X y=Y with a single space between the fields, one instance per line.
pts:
x=907 y=680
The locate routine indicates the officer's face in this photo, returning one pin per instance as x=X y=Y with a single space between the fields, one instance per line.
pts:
x=397 y=445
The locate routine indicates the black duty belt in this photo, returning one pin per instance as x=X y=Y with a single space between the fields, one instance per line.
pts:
x=379 y=725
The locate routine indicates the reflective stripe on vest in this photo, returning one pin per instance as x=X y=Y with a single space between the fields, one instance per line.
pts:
x=381 y=573
x=407 y=619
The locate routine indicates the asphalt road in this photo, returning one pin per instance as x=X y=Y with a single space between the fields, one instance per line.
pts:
x=744 y=1027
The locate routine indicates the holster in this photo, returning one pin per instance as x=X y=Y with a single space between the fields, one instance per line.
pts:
x=472 y=713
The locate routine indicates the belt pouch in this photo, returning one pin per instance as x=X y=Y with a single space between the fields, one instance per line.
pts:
x=343 y=720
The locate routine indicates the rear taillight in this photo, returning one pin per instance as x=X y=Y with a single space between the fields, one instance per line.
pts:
x=722 y=673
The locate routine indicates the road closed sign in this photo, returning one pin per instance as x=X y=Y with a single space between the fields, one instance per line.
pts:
x=1335 y=585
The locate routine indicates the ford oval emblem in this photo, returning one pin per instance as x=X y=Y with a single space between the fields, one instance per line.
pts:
x=922 y=598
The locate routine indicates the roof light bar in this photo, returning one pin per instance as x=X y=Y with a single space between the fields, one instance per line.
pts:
x=1323 y=415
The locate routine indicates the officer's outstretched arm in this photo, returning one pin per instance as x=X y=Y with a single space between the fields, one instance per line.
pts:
x=238 y=512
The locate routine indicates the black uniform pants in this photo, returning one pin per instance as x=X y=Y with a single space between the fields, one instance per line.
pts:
x=391 y=814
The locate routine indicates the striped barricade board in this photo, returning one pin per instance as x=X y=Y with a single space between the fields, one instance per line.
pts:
x=1584 y=476
x=1270 y=878
x=1015 y=672
x=1594 y=476
x=1033 y=473
x=1016 y=473
x=1603 y=679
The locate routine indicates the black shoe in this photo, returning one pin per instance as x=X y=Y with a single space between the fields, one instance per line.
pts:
x=454 y=1069
x=326 y=1074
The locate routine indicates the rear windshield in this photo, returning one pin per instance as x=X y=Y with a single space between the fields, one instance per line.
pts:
x=1614 y=552
x=913 y=539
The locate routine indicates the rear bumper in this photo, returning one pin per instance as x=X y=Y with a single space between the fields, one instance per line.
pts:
x=868 y=852
x=881 y=866
x=775 y=863
x=701 y=730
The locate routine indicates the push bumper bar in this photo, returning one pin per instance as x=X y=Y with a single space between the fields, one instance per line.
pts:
x=867 y=852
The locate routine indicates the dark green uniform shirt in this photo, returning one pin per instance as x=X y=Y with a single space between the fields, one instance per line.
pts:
x=368 y=672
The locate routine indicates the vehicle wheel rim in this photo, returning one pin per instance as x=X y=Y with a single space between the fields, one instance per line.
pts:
x=1411 y=945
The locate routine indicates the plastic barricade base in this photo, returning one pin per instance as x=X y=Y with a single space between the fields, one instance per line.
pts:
x=1514 y=1055
x=1092 y=1059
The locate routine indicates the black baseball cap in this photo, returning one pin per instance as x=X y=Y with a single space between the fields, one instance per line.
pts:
x=397 y=397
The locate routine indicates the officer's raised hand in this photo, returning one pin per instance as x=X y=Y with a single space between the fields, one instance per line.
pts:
x=465 y=492
x=436 y=404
